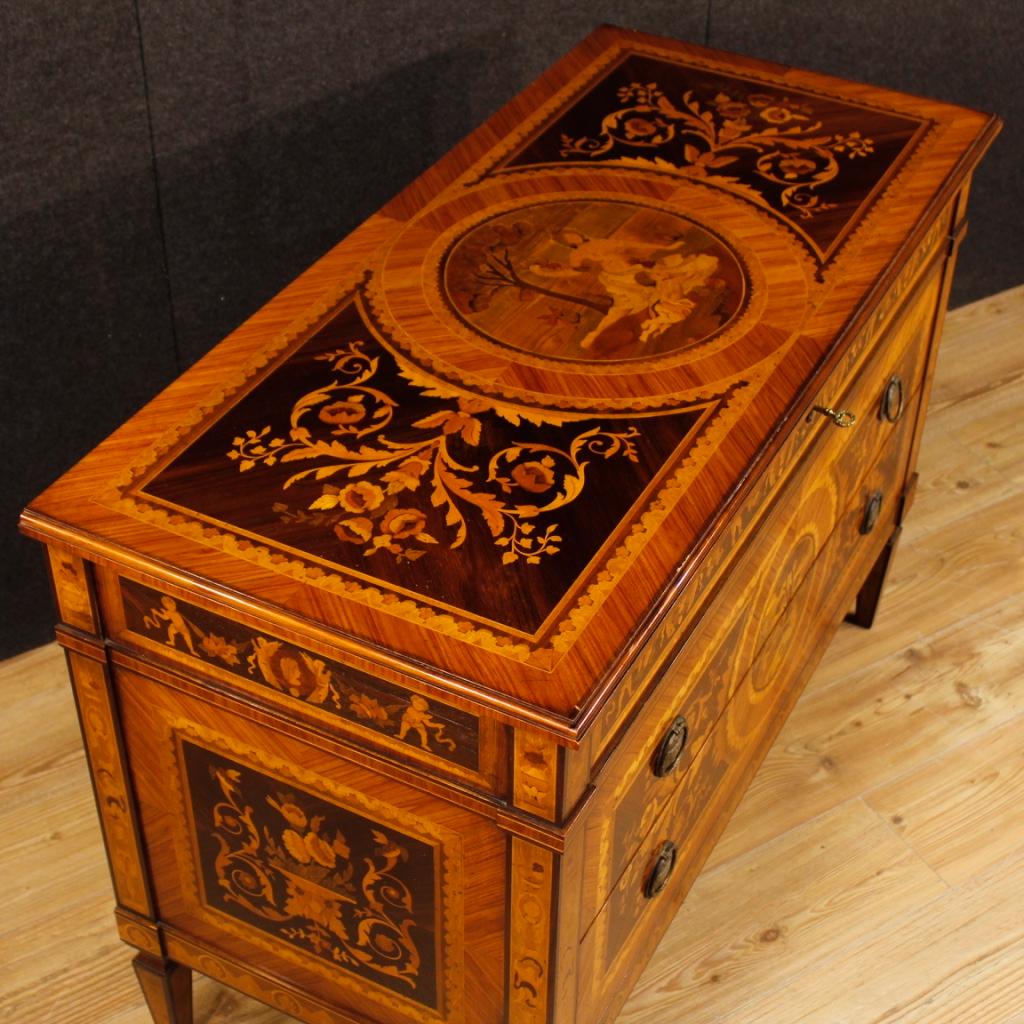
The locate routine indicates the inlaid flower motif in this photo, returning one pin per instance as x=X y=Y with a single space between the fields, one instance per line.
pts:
x=291 y=813
x=219 y=647
x=535 y=477
x=296 y=846
x=400 y=523
x=344 y=412
x=853 y=145
x=354 y=531
x=366 y=707
x=795 y=166
x=313 y=905
x=362 y=512
x=322 y=852
x=639 y=127
x=779 y=115
x=732 y=110
x=361 y=496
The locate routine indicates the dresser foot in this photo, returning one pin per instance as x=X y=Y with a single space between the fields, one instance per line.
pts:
x=870 y=592
x=167 y=987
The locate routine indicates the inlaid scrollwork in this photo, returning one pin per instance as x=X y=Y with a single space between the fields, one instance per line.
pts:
x=392 y=487
x=790 y=146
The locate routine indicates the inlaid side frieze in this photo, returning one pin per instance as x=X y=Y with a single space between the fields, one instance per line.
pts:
x=407 y=719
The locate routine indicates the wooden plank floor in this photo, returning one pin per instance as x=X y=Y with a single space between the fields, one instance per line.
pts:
x=874 y=873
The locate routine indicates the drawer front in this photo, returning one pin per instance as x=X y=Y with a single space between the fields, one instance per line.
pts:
x=643 y=773
x=630 y=924
x=307 y=684
x=357 y=889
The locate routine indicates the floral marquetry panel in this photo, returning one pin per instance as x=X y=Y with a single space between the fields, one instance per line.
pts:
x=322 y=878
x=345 y=455
x=353 y=885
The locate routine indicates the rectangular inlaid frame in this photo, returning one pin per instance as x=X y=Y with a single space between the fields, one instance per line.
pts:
x=160 y=722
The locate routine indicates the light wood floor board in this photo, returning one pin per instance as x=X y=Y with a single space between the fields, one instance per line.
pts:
x=874 y=874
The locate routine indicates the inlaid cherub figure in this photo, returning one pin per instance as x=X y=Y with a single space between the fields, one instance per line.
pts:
x=176 y=624
x=638 y=276
x=417 y=719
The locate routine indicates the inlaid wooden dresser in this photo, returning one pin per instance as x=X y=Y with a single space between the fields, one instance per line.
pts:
x=426 y=633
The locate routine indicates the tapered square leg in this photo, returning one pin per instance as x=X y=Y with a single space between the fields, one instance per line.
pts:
x=167 y=987
x=870 y=592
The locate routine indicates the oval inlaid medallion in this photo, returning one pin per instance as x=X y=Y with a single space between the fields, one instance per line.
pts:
x=594 y=280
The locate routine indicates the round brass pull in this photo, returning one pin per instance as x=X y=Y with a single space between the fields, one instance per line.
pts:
x=664 y=863
x=840 y=417
x=892 y=400
x=872 y=510
x=671 y=748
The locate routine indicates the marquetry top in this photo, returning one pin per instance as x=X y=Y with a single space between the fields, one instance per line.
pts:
x=491 y=434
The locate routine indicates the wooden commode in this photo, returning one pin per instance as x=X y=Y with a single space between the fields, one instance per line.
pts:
x=426 y=633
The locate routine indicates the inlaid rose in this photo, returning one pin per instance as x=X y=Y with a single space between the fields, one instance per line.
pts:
x=360 y=497
x=638 y=127
x=779 y=115
x=796 y=166
x=345 y=412
x=320 y=851
x=354 y=531
x=535 y=477
x=403 y=522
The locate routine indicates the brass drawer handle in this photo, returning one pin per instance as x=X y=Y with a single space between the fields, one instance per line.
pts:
x=840 y=417
x=664 y=863
x=872 y=510
x=892 y=400
x=671 y=748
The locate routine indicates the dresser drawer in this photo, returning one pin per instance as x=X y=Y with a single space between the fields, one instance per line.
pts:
x=356 y=888
x=634 y=917
x=648 y=764
x=340 y=698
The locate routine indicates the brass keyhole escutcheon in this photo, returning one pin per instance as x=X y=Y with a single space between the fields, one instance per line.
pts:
x=840 y=417
x=872 y=510
x=892 y=399
x=664 y=864
x=670 y=750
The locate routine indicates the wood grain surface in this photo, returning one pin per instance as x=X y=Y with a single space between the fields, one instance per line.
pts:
x=872 y=873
